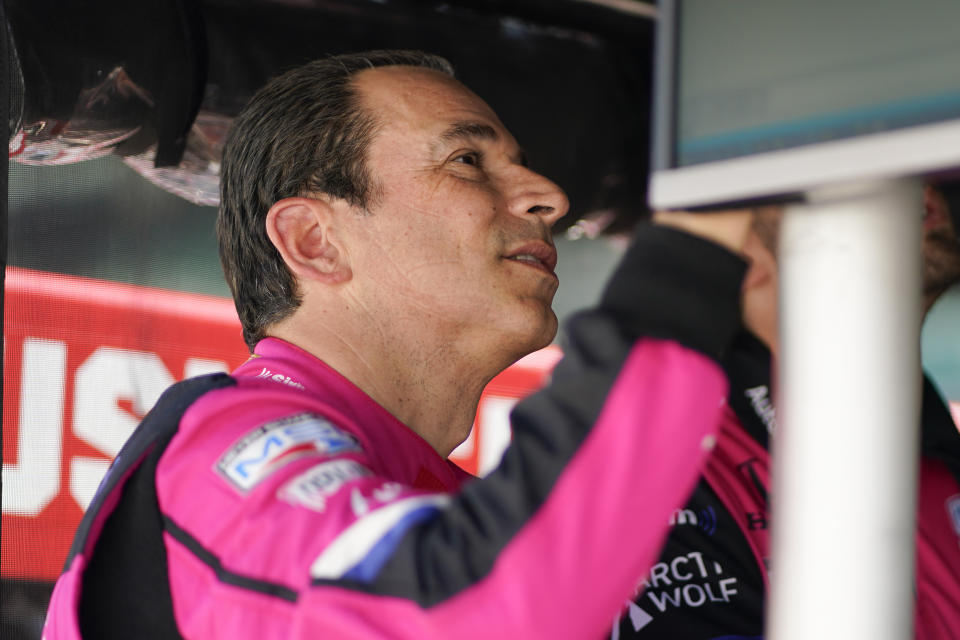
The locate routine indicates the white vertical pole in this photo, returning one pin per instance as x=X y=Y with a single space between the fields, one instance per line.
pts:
x=845 y=457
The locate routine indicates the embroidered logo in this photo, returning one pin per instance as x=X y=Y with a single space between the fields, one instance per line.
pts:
x=271 y=446
x=279 y=377
x=705 y=519
x=762 y=405
x=311 y=488
x=686 y=581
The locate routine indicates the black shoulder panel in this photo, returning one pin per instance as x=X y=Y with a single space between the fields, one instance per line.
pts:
x=127 y=561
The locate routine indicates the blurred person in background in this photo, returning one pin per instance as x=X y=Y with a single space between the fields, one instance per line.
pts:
x=711 y=579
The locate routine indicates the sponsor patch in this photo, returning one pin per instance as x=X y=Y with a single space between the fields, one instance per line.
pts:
x=270 y=446
x=686 y=581
x=311 y=488
x=953 y=508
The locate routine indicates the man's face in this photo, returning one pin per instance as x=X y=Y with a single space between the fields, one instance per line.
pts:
x=456 y=240
x=941 y=248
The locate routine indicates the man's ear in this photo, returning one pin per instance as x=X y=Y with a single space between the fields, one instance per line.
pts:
x=763 y=265
x=760 y=291
x=302 y=230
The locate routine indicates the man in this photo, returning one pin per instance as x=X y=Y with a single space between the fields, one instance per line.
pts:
x=712 y=577
x=389 y=253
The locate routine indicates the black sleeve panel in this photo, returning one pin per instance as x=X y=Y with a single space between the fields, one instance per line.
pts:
x=677 y=286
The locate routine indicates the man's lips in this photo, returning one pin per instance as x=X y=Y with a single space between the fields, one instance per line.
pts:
x=536 y=254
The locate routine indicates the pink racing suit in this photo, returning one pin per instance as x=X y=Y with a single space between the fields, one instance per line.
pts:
x=282 y=502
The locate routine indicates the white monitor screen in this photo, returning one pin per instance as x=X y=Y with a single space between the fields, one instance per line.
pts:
x=756 y=77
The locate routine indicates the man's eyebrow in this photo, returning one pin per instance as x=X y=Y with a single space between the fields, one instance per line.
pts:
x=471 y=130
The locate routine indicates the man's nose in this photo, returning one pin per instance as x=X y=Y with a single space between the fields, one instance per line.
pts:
x=536 y=195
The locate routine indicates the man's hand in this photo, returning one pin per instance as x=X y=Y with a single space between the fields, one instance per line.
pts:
x=726 y=228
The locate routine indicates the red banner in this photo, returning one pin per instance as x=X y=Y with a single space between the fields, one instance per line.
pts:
x=84 y=360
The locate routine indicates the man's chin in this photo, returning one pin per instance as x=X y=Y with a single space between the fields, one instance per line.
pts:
x=535 y=335
x=547 y=333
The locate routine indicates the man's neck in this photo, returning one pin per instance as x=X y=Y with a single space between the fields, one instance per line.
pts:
x=429 y=385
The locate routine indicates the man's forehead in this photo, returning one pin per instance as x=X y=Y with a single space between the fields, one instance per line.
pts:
x=424 y=98
x=405 y=82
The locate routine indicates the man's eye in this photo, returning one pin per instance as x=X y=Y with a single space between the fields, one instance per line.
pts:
x=471 y=158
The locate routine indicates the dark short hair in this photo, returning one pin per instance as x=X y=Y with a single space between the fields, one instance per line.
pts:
x=304 y=132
